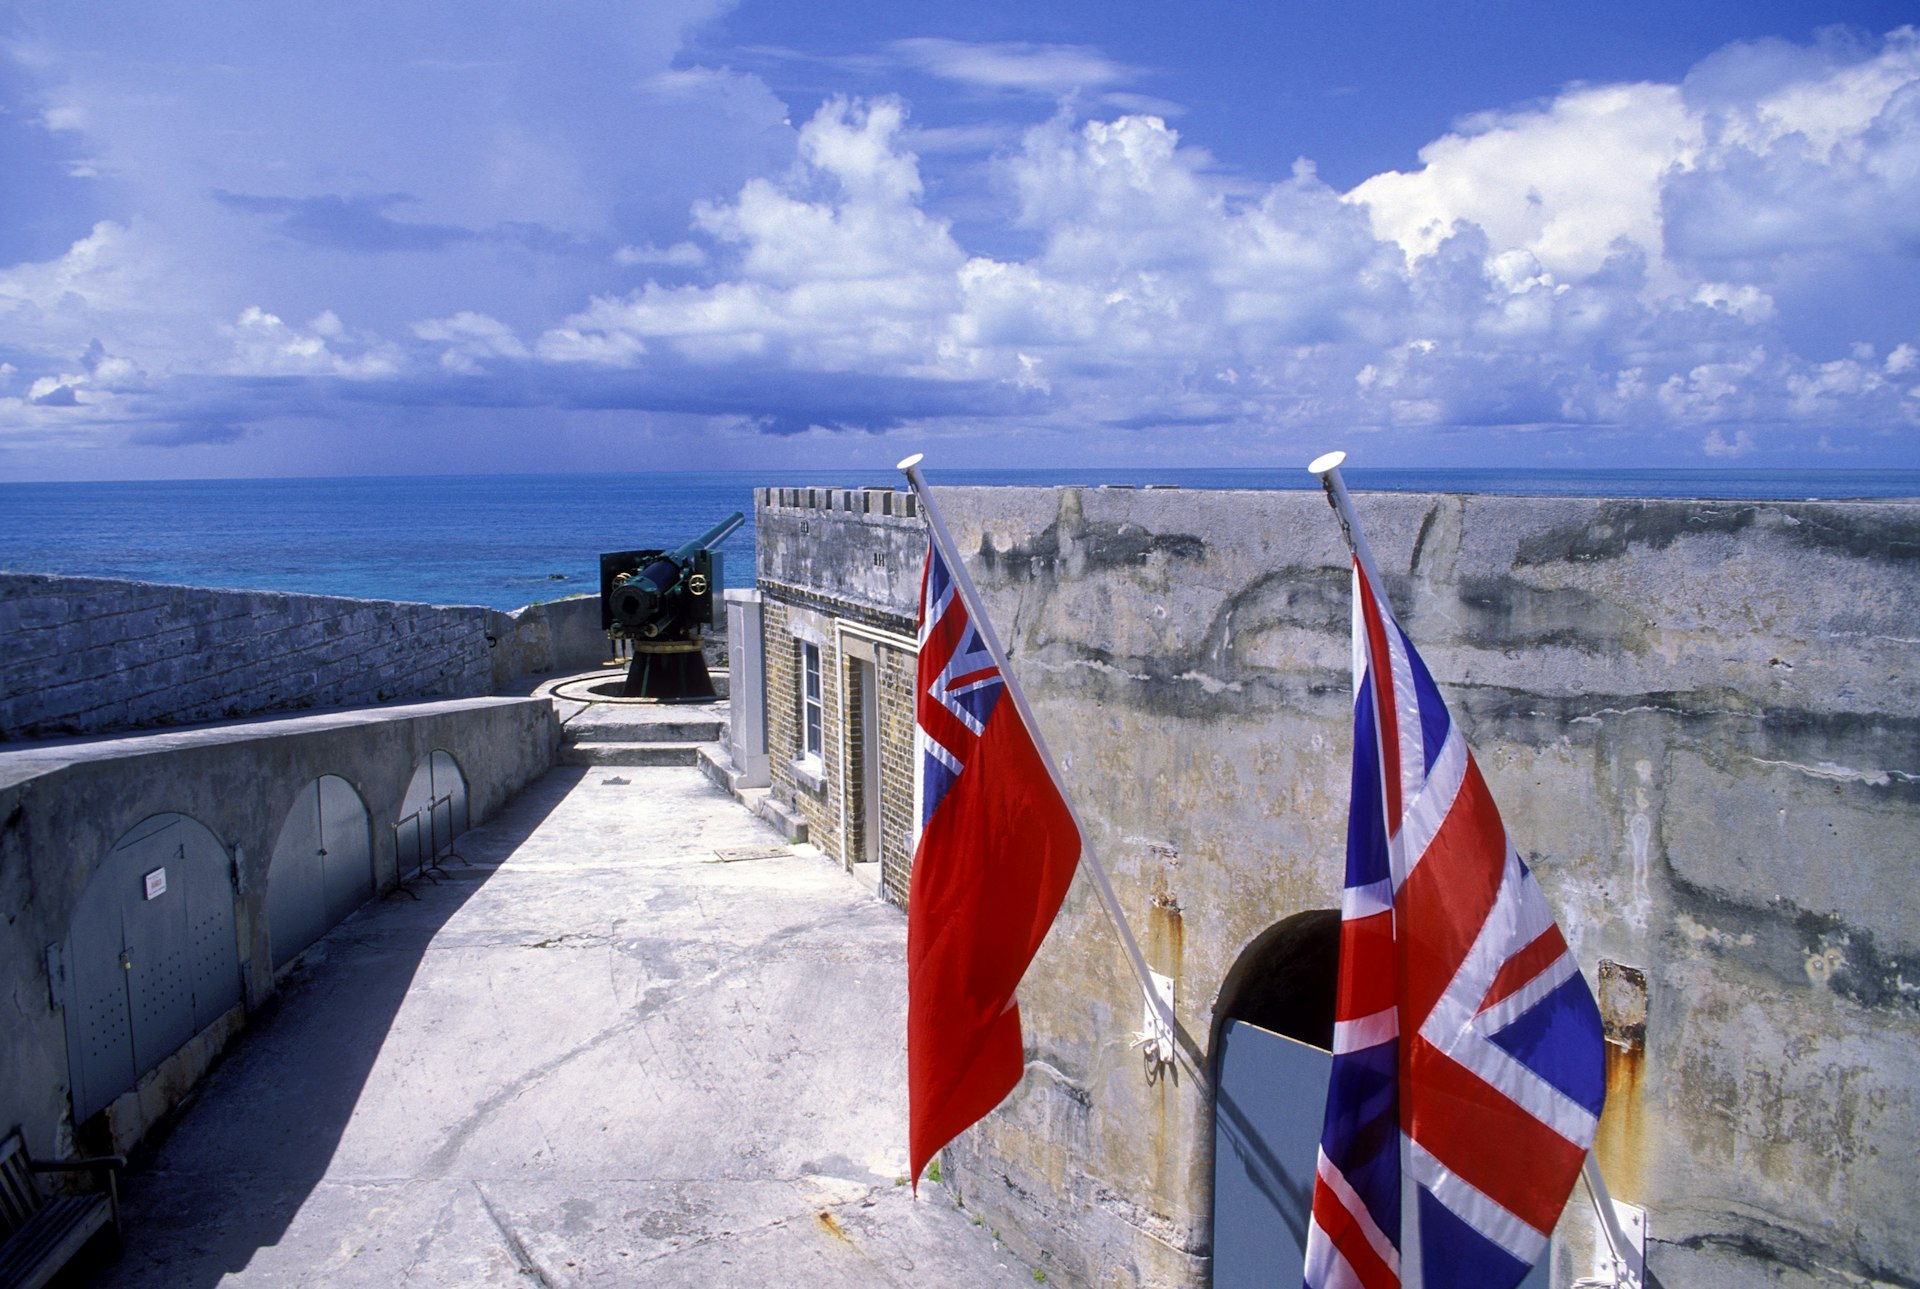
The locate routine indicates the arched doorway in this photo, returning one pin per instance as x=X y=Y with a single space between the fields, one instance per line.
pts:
x=432 y=813
x=1272 y=1041
x=149 y=956
x=1273 y=1058
x=322 y=866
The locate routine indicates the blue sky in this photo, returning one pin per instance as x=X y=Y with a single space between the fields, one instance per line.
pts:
x=245 y=238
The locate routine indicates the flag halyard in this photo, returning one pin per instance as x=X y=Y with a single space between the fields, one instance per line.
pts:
x=1468 y=1072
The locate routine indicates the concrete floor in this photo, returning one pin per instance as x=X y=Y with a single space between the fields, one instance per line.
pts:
x=601 y=1055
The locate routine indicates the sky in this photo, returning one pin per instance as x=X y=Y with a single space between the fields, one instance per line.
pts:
x=244 y=238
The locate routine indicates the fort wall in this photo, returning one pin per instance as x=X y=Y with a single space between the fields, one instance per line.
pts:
x=87 y=655
x=65 y=804
x=1698 y=719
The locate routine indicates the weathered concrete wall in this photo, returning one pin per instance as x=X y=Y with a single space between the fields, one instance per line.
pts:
x=1699 y=720
x=840 y=569
x=89 y=655
x=64 y=805
x=539 y=639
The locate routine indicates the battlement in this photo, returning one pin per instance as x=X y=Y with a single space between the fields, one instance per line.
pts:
x=889 y=502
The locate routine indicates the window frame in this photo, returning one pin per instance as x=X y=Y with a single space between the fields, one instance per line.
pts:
x=813 y=710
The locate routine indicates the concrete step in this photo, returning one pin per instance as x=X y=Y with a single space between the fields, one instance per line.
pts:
x=617 y=726
x=629 y=753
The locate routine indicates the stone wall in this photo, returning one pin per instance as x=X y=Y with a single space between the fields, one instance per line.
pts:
x=1699 y=721
x=64 y=806
x=87 y=655
x=839 y=569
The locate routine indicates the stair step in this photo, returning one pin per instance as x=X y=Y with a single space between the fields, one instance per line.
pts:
x=629 y=753
x=589 y=728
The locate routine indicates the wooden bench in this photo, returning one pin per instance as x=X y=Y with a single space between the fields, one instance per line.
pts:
x=43 y=1234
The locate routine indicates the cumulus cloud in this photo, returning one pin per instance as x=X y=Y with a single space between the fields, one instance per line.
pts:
x=263 y=345
x=1522 y=279
x=1722 y=267
x=1564 y=184
x=470 y=340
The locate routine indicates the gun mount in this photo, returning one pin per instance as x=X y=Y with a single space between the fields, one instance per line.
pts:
x=657 y=600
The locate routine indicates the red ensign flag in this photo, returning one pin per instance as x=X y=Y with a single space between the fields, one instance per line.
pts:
x=997 y=852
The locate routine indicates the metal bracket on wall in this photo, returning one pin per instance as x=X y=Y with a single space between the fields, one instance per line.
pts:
x=1626 y=1269
x=1156 y=1035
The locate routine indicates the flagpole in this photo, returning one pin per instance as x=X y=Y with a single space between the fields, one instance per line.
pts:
x=1327 y=468
x=976 y=614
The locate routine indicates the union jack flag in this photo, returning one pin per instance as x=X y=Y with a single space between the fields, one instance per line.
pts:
x=1468 y=1072
x=998 y=848
x=959 y=684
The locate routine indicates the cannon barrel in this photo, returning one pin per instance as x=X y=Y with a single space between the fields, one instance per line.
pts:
x=712 y=537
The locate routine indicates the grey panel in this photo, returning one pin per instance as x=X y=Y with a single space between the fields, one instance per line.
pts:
x=160 y=964
x=145 y=973
x=99 y=1034
x=212 y=947
x=346 y=849
x=296 y=891
x=1268 y=1106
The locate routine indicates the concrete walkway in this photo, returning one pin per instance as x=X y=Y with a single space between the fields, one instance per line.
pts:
x=638 y=1042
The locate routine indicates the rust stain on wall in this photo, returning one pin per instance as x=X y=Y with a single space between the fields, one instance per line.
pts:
x=1620 y=1145
x=1166 y=937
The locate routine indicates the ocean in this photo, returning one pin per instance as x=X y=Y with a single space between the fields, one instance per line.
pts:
x=509 y=540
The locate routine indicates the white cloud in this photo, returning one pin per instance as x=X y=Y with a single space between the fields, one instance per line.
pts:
x=1724 y=264
x=1014 y=65
x=1566 y=183
x=859 y=277
x=263 y=345
x=681 y=255
x=470 y=340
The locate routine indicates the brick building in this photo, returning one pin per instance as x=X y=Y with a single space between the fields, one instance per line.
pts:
x=838 y=577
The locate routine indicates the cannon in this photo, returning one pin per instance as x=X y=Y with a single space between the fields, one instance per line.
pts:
x=657 y=600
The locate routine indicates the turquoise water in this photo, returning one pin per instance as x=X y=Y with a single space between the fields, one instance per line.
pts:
x=509 y=540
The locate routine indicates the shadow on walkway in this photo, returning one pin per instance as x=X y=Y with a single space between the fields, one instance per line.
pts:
x=254 y=1141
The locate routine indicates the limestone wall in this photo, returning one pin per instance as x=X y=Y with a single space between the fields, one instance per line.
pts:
x=1699 y=721
x=86 y=655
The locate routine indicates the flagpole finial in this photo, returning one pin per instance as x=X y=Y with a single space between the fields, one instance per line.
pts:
x=1325 y=462
x=907 y=463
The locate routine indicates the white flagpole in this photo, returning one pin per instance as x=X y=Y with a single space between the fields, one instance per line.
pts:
x=1328 y=469
x=977 y=615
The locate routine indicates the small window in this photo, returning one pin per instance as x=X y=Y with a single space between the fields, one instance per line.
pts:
x=811 y=718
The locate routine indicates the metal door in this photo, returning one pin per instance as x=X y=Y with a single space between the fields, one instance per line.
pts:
x=346 y=848
x=159 y=937
x=149 y=959
x=1269 y=1101
x=322 y=866
x=99 y=1026
x=296 y=891
x=437 y=793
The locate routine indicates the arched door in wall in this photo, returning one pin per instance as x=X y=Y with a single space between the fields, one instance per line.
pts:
x=433 y=812
x=149 y=959
x=1272 y=1062
x=322 y=866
